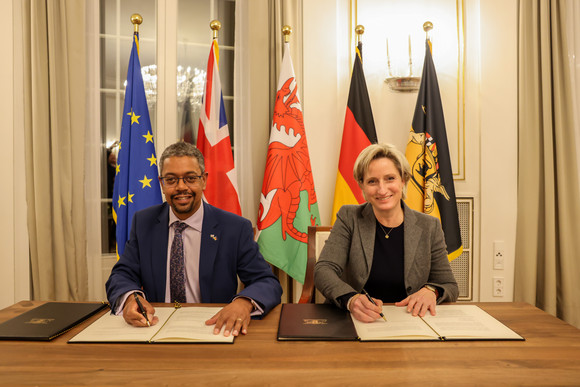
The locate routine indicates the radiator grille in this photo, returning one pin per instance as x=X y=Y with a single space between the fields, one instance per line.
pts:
x=462 y=266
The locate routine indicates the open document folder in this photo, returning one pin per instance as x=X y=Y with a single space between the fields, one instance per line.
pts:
x=452 y=322
x=176 y=325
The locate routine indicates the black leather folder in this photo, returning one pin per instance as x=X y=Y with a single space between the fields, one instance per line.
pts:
x=47 y=321
x=322 y=322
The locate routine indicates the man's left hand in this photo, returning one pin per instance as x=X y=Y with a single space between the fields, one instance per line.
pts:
x=234 y=316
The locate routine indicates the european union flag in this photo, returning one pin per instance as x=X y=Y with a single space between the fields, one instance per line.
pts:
x=136 y=180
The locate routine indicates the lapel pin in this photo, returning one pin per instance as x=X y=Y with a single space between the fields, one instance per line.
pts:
x=213 y=237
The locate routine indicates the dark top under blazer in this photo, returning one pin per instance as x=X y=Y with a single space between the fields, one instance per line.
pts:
x=346 y=258
x=227 y=251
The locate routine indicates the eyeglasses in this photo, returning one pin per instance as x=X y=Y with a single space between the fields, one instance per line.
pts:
x=172 y=181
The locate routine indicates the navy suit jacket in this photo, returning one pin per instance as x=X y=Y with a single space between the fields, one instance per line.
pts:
x=227 y=251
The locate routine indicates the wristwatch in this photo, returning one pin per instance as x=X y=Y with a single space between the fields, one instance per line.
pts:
x=433 y=289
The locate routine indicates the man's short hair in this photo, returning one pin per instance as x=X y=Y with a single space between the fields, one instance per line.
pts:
x=181 y=149
x=377 y=151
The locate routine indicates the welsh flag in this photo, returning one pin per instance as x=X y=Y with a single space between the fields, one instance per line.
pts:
x=213 y=140
x=288 y=203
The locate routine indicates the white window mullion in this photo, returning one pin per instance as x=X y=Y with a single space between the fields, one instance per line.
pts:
x=166 y=74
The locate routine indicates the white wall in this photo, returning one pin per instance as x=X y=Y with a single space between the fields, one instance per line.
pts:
x=326 y=74
x=498 y=141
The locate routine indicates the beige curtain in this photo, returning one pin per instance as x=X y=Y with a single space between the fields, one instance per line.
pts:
x=547 y=268
x=54 y=39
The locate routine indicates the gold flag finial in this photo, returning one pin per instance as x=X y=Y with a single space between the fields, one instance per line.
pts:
x=427 y=26
x=286 y=31
x=136 y=19
x=360 y=29
x=215 y=26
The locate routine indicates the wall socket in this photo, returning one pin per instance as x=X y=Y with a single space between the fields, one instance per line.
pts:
x=498 y=286
x=498 y=255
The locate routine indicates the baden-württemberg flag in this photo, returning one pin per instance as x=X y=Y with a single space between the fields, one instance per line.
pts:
x=288 y=203
x=358 y=133
x=136 y=180
x=431 y=188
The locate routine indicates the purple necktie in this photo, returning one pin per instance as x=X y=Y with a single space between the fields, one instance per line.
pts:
x=176 y=265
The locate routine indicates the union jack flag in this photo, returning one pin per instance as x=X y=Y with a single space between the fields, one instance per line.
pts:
x=213 y=140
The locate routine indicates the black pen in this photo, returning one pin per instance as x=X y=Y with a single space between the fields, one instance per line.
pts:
x=371 y=300
x=141 y=310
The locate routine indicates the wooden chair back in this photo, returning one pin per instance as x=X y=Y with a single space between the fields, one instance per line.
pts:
x=317 y=236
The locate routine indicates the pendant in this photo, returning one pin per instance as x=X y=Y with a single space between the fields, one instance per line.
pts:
x=386 y=236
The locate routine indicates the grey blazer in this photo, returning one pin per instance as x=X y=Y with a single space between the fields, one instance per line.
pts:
x=346 y=258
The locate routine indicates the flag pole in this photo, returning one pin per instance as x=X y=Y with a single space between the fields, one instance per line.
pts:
x=427 y=26
x=136 y=19
x=286 y=31
x=215 y=26
x=359 y=29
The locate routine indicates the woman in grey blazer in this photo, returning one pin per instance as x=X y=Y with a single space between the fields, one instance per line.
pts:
x=395 y=253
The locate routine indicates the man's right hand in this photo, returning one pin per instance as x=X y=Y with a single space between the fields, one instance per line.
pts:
x=364 y=310
x=133 y=316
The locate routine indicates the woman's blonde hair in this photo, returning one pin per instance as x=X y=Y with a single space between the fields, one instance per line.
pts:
x=377 y=151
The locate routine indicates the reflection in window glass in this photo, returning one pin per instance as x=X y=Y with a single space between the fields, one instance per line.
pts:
x=194 y=37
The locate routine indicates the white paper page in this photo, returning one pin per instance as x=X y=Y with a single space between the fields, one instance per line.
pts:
x=111 y=328
x=468 y=322
x=188 y=324
x=400 y=325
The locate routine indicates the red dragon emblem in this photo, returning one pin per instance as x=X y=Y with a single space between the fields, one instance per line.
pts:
x=288 y=170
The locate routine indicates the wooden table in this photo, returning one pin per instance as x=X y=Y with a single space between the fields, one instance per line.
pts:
x=549 y=356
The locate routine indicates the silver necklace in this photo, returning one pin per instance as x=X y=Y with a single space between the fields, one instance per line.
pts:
x=386 y=233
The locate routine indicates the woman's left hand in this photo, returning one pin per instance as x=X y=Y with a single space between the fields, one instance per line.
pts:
x=418 y=303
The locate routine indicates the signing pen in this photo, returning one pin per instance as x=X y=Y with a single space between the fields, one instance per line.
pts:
x=141 y=309
x=371 y=300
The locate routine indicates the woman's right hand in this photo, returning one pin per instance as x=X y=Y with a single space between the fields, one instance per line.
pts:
x=364 y=310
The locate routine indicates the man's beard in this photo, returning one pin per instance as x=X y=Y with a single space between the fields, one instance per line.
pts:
x=180 y=209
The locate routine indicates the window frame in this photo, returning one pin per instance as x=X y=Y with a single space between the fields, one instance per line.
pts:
x=165 y=120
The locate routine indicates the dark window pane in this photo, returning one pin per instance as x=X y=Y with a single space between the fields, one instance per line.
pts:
x=108 y=23
x=108 y=239
x=227 y=71
x=226 y=15
x=229 y=106
x=108 y=63
x=193 y=18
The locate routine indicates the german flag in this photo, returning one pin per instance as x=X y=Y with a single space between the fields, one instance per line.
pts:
x=431 y=188
x=359 y=132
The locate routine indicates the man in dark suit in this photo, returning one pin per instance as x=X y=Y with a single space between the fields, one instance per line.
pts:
x=189 y=251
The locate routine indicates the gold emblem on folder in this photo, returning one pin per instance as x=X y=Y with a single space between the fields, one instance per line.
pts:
x=314 y=321
x=40 y=321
